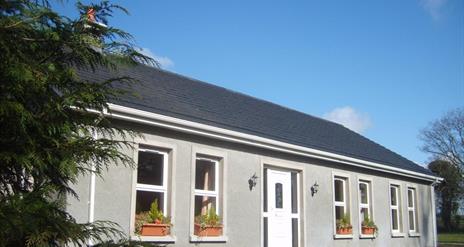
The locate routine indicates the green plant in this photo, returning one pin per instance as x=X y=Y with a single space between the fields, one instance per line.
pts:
x=344 y=222
x=156 y=216
x=141 y=219
x=208 y=219
x=368 y=222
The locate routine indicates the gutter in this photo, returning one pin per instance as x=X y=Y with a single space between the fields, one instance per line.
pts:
x=153 y=119
x=434 y=214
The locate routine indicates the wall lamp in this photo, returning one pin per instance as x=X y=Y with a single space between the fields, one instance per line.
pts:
x=314 y=188
x=252 y=181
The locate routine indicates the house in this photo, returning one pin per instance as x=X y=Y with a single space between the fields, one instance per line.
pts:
x=275 y=176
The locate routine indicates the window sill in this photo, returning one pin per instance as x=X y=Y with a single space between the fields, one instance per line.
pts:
x=365 y=236
x=414 y=234
x=397 y=235
x=164 y=239
x=343 y=236
x=219 y=239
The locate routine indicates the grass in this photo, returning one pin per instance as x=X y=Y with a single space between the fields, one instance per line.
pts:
x=451 y=238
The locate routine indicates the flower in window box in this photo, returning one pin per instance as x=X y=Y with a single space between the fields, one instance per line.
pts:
x=344 y=226
x=368 y=227
x=153 y=222
x=208 y=225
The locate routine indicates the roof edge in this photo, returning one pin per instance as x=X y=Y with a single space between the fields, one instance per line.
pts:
x=144 y=117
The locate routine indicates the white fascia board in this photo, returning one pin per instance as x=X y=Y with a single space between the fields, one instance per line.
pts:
x=149 y=118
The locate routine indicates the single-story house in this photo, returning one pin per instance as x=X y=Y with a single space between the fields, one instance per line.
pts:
x=263 y=174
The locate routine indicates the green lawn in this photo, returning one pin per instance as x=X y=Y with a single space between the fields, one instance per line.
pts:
x=451 y=238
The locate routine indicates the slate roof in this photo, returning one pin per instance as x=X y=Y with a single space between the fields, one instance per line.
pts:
x=178 y=96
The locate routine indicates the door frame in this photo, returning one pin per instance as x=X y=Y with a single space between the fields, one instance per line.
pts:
x=286 y=166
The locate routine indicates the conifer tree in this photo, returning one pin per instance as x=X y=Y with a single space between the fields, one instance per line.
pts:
x=48 y=117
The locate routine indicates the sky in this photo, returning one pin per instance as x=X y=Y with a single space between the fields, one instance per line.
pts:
x=385 y=69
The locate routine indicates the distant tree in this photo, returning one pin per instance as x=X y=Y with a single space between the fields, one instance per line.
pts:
x=449 y=191
x=444 y=138
x=46 y=128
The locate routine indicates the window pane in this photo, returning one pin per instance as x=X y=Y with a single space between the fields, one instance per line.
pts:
x=410 y=198
x=294 y=232
x=339 y=212
x=204 y=203
x=150 y=168
x=205 y=175
x=265 y=232
x=411 y=221
x=294 y=193
x=145 y=198
x=363 y=192
x=364 y=213
x=339 y=190
x=278 y=195
x=395 y=219
x=393 y=196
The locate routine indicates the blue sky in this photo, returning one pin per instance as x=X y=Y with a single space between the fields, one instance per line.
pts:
x=384 y=68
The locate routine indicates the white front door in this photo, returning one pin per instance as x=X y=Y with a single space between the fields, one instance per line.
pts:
x=279 y=208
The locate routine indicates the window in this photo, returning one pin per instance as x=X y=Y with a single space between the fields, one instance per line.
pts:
x=412 y=212
x=365 y=203
x=395 y=205
x=206 y=186
x=152 y=181
x=341 y=199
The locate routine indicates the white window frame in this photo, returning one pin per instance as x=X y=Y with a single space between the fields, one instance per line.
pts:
x=169 y=161
x=157 y=188
x=369 y=205
x=395 y=232
x=412 y=209
x=203 y=152
x=346 y=204
x=210 y=193
x=343 y=203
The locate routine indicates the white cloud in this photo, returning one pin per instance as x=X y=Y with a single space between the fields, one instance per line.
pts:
x=433 y=7
x=164 y=62
x=350 y=118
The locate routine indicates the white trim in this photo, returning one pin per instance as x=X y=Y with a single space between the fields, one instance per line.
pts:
x=346 y=182
x=92 y=191
x=395 y=232
x=163 y=239
x=272 y=163
x=168 y=188
x=434 y=217
x=144 y=117
x=411 y=209
x=220 y=160
x=344 y=236
x=369 y=205
x=157 y=188
x=219 y=239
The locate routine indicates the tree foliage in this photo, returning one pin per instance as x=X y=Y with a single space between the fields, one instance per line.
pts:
x=444 y=138
x=449 y=191
x=46 y=127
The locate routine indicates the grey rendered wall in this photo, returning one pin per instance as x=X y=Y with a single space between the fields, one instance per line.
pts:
x=243 y=213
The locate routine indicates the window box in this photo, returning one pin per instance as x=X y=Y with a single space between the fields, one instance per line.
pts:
x=151 y=229
x=207 y=231
x=367 y=230
x=345 y=231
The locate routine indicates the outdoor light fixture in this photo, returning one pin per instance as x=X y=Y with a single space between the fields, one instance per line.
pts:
x=252 y=181
x=314 y=188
